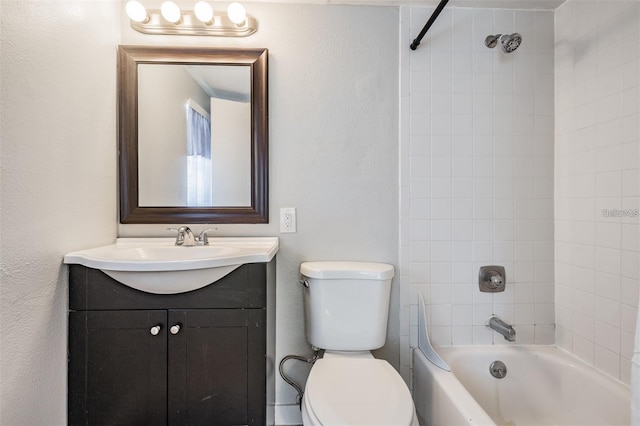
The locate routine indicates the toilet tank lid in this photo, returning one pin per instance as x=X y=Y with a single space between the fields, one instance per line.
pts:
x=352 y=270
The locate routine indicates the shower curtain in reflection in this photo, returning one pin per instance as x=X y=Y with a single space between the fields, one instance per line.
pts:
x=198 y=159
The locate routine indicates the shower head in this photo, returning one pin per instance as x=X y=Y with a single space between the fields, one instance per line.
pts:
x=510 y=42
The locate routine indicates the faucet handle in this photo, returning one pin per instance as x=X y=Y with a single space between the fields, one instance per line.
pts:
x=492 y=278
x=179 y=235
x=203 y=238
x=181 y=230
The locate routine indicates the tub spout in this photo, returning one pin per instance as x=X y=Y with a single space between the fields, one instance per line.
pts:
x=503 y=328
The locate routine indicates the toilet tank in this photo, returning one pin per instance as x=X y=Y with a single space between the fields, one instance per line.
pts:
x=346 y=304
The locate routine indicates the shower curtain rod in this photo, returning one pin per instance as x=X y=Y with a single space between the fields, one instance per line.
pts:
x=430 y=22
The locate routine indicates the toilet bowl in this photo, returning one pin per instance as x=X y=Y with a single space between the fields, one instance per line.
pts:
x=346 y=309
x=346 y=390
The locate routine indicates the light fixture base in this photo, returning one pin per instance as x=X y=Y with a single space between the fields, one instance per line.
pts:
x=220 y=26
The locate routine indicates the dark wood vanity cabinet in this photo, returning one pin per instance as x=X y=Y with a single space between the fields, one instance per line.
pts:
x=191 y=358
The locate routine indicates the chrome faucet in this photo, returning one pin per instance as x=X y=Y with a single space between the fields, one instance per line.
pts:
x=503 y=328
x=186 y=238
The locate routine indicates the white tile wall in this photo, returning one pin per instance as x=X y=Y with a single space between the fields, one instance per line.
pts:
x=477 y=164
x=597 y=159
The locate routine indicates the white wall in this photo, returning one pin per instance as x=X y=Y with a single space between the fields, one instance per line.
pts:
x=333 y=155
x=597 y=159
x=476 y=175
x=58 y=174
x=333 y=136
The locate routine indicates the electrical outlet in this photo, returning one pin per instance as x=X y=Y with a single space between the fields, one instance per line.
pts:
x=287 y=220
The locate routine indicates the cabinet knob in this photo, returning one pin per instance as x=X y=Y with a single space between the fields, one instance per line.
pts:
x=155 y=330
x=175 y=329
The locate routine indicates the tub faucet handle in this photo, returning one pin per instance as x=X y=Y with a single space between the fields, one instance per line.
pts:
x=492 y=278
x=496 y=280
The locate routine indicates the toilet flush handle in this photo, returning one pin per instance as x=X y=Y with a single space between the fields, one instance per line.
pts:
x=305 y=283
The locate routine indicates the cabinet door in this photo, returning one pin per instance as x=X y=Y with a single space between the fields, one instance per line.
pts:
x=217 y=367
x=117 y=367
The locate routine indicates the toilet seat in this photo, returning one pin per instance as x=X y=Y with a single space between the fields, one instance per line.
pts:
x=343 y=391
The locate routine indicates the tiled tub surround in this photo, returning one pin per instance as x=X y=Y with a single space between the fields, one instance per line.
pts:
x=476 y=178
x=597 y=251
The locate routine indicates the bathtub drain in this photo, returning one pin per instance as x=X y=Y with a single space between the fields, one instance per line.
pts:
x=498 y=369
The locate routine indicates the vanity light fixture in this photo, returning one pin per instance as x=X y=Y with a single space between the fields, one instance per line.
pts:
x=203 y=20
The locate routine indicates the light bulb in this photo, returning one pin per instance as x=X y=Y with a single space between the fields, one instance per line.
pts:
x=236 y=13
x=203 y=12
x=136 y=11
x=171 y=12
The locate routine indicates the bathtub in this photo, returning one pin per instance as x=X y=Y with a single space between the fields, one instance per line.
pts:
x=543 y=386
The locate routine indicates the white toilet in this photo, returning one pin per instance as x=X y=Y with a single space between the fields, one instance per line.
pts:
x=346 y=308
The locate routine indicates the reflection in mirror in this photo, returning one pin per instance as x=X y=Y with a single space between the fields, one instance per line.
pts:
x=194 y=130
x=193 y=135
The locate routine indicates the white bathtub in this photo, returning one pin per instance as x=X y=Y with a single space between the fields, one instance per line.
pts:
x=543 y=386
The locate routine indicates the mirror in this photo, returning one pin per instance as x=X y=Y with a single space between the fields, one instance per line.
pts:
x=193 y=135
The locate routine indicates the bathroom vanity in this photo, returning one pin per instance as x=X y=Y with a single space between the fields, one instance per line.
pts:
x=199 y=357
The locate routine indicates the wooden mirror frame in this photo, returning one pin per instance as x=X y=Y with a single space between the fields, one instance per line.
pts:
x=130 y=211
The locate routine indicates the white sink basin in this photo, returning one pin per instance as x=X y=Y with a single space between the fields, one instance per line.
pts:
x=157 y=265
